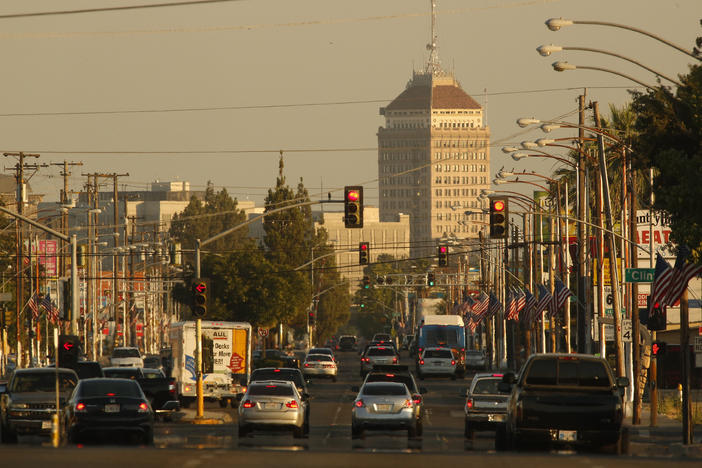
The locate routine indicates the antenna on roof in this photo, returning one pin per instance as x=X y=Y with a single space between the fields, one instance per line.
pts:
x=434 y=65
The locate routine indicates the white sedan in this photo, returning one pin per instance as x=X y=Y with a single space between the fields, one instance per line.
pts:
x=436 y=361
x=320 y=365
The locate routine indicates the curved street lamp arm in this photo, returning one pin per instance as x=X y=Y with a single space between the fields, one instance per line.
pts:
x=527 y=182
x=640 y=31
x=623 y=75
x=635 y=62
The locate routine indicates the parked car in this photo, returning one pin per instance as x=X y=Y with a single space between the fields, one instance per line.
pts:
x=126 y=357
x=383 y=406
x=320 y=365
x=108 y=407
x=564 y=400
x=158 y=389
x=436 y=361
x=486 y=405
x=29 y=401
x=273 y=405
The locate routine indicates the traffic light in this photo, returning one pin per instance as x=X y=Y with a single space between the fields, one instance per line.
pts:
x=366 y=282
x=310 y=318
x=499 y=213
x=80 y=255
x=363 y=253
x=443 y=255
x=656 y=316
x=658 y=348
x=430 y=279
x=68 y=351
x=199 y=297
x=353 y=206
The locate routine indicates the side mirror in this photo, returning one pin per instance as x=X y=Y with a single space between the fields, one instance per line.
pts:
x=622 y=382
x=355 y=388
x=423 y=390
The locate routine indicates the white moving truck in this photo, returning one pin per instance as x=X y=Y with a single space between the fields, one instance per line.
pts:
x=226 y=360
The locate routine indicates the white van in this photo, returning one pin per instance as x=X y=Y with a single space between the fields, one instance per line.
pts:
x=126 y=357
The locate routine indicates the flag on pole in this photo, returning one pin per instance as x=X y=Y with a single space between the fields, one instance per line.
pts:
x=661 y=285
x=521 y=300
x=545 y=300
x=683 y=272
x=32 y=303
x=46 y=302
x=562 y=293
x=530 y=307
x=495 y=306
x=511 y=305
x=481 y=305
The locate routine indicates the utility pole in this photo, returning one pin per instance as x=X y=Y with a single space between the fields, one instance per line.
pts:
x=19 y=168
x=584 y=341
x=64 y=208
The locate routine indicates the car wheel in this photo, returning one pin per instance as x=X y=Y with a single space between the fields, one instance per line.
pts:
x=185 y=402
x=298 y=432
x=468 y=431
x=223 y=402
x=243 y=431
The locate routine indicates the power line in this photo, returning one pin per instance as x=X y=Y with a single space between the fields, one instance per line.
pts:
x=117 y=8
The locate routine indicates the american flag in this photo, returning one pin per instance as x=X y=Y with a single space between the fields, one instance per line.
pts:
x=530 y=308
x=521 y=300
x=481 y=305
x=683 y=272
x=32 y=303
x=495 y=306
x=511 y=305
x=545 y=300
x=660 y=288
x=51 y=310
x=562 y=293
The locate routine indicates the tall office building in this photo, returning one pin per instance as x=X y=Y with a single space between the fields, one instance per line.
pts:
x=434 y=157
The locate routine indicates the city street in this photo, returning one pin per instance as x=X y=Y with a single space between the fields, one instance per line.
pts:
x=193 y=445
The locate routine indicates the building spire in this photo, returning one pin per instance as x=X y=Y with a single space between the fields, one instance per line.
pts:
x=434 y=65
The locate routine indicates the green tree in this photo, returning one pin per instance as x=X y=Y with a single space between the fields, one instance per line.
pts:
x=669 y=126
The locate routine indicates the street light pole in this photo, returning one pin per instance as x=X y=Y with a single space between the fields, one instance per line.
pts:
x=583 y=316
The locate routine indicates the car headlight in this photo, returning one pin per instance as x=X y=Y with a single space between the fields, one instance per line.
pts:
x=15 y=406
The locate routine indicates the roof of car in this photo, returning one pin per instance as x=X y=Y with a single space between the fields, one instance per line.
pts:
x=42 y=370
x=277 y=369
x=272 y=382
x=325 y=349
x=486 y=375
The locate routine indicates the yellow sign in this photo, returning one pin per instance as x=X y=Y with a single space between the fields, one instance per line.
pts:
x=605 y=270
x=237 y=361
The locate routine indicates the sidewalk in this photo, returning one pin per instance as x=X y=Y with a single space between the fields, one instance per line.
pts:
x=665 y=439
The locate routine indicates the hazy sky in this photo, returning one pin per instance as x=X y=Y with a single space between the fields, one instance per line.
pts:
x=262 y=75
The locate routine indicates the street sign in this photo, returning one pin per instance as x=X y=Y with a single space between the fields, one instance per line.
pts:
x=626 y=331
x=639 y=275
x=698 y=344
x=263 y=332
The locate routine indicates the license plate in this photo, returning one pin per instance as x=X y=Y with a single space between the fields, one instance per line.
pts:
x=567 y=436
x=111 y=408
x=383 y=407
x=496 y=417
x=46 y=424
x=438 y=363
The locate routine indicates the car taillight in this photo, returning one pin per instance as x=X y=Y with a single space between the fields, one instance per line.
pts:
x=453 y=363
x=365 y=359
x=420 y=350
x=143 y=407
x=394 y=360
x=407 y=404
x=416 y=399
x=421 y=362
x=248 y=404
x=469 y=403
x=80 y=407
x=291 y=404
x=171 y=388
x=307 y=364
x=359 y=404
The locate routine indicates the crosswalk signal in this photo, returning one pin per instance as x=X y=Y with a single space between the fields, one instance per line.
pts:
x=363 y=253
x=443 y=255
x=310 y=318
x=199 y=298
x=658 y=348
x=353 y=206
x=499 y=213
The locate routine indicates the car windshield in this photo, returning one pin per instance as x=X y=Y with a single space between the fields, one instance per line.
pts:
x=290 y=375
x=380 y=389
x=125 y=353
x=320 y=351
x=438 y=353
x=270 y=390
x=42 y=382
x=487 y=386
x=380 y=352
x=153 y=374
x=122 y=373
x=111 y=387
x=387 y=377
x=347 y=340
x=382 y=336
x=568 y=371
x=319 y=357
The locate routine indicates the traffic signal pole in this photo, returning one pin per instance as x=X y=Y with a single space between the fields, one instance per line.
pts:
x=198 y=344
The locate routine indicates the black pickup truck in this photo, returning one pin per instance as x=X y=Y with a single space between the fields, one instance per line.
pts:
x=564 y=400
x=158 y=389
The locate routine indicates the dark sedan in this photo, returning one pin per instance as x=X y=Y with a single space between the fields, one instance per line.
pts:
x=100 y=407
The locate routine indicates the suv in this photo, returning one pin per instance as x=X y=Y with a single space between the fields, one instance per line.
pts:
x=346 y=343
x=126 y=357
x=29 y=401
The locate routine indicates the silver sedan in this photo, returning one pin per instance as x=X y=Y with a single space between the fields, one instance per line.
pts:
x=381 y=406
x=273 y=404
x=320 y=365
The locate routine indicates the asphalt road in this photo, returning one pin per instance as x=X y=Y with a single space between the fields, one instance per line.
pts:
x=329 y=443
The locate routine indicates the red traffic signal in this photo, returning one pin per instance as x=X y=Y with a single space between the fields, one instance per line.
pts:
x=199 y=291
x=498 y=217
x=658 y=348
x=443 y=255
x=363 y=253
x=353 y=206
